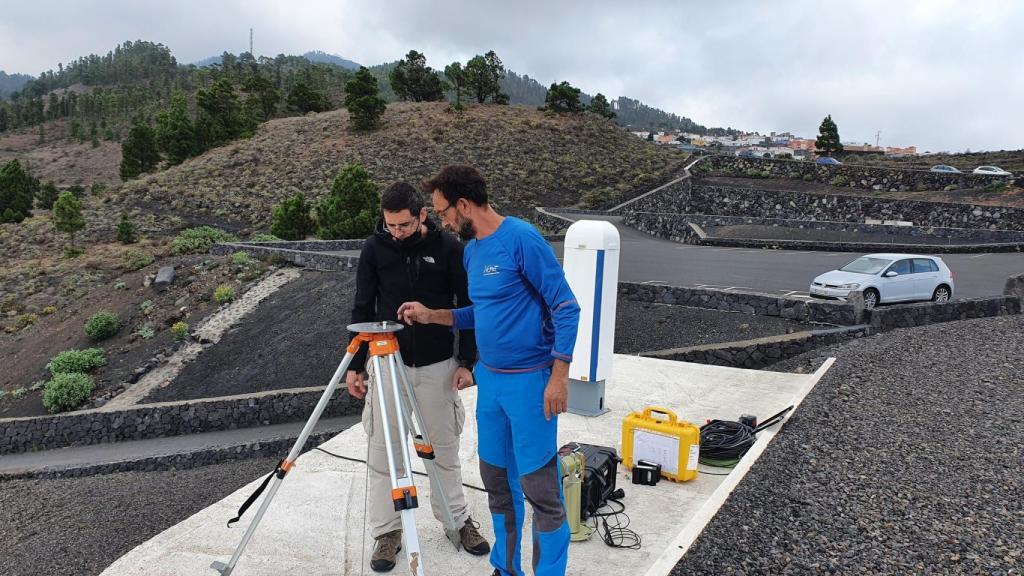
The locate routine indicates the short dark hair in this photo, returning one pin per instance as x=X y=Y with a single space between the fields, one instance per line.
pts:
x=456 y=182
x=402 y=196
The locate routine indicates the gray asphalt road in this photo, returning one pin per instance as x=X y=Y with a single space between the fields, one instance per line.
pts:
x=648 y=259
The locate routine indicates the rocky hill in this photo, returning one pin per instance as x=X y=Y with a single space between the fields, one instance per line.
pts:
x=528 y=157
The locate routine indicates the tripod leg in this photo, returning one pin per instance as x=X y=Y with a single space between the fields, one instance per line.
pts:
x=436 y=490
x=403 y=488
x=284 y=467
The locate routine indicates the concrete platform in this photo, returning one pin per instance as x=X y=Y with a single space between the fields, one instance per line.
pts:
x=315 y=524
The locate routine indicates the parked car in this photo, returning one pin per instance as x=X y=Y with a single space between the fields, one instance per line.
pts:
x=887 y=278
x=991 y=171
x=827 y=161
x=943 y=168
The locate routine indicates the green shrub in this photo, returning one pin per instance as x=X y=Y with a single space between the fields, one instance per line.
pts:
x=145 y=306
x=265 y=238
x=290 y=219
x=839 y=181
x=224 y=293
x=72 y=253
x=147 y=332
x=180 y=330
x=132 y=260
x=126 y=230
x=101 y=326
x=50 y=310
x=26 y=320
x=199 y=240
x=808 y=177
x=70 y=361
x=18 y=393
x=67 y=392
x=120 y=286
x=37 y=385
x=241 y=259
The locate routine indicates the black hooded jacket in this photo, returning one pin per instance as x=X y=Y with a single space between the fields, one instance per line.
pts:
x=424 y=268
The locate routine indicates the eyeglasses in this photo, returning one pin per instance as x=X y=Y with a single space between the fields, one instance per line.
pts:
x=445 y=209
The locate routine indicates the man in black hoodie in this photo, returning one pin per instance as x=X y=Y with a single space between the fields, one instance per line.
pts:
x=410 y=259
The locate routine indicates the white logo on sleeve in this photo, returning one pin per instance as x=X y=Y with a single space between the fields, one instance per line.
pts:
x=428 y=259
x=491 y=270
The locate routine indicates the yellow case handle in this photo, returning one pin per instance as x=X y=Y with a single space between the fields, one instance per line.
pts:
x=659 y=410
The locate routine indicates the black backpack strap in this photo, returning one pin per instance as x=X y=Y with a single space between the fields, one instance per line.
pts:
x=279 y=471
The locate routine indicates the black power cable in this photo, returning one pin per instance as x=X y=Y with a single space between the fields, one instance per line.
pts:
x=723 y=442
x=350 y=459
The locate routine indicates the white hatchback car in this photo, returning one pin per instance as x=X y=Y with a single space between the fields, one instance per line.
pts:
x=886 y=278
x=991 y=171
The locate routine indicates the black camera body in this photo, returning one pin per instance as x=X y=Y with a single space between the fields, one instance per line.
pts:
x=599 y=478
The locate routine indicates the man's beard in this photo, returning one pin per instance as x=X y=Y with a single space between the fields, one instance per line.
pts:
x=466 y=229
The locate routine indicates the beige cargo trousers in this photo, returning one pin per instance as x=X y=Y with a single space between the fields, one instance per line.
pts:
x=443 y=416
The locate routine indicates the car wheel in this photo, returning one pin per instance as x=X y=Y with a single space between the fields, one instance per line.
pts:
x=941 y=294
x=870 y=298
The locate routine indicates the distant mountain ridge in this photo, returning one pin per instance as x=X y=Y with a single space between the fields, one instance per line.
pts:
x=312 y=56
x=12 y=82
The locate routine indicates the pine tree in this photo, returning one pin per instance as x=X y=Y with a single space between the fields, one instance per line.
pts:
x=483 y=78
x=351 y=208
x=599 y=105
x=220 y=118
x=457 y=77
x=263 y=95
x=17 y=191
x=364 y=105
x=175 y=132
x=126 y=230
x=412 y=79
x=138 y=152
x=67 y=215
x=291 y=219
x=563 y=98
x=303 y=99
x=46 y=196
x=828 y=137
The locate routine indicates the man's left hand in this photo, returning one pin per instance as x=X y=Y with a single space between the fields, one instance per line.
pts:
x=556 y=394
x=462 y=379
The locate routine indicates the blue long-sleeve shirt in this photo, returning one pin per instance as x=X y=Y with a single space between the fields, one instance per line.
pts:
x=524 y=313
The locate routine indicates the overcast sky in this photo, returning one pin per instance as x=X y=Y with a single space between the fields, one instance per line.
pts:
x=939 y=74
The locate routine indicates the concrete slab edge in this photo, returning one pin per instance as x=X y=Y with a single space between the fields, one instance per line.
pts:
x=689 y=533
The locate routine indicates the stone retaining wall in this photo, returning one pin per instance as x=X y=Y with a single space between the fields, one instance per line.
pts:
x=679 y=228
x=277 y=447
x=772 y=204
x=910 y=315
x=821 y=311
x=286 y=253
x=845 y=175
x=99 y=426
x=761 y=352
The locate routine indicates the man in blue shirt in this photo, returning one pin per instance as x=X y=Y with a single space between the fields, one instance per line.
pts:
x=525 y=318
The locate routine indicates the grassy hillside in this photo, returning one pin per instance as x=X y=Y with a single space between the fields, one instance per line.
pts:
x=528 y=158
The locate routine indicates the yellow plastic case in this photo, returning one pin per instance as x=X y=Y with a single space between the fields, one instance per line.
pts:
x=664 y=440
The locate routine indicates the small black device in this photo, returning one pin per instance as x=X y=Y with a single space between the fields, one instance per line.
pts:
x=646 y=473
x=599 y=479
x=749 y=420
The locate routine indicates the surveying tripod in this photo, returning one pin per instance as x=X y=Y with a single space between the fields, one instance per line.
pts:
x=383 y=348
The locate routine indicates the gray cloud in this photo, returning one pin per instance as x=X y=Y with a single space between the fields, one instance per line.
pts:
x=941 y=74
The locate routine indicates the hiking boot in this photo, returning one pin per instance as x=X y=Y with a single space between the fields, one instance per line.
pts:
x=472 y=540
x=385 y=550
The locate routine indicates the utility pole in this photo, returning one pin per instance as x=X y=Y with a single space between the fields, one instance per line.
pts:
x=878 y=136
x=250 y=43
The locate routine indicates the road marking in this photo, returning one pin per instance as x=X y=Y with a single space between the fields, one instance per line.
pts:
x=654 y=282
x=979 y=255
